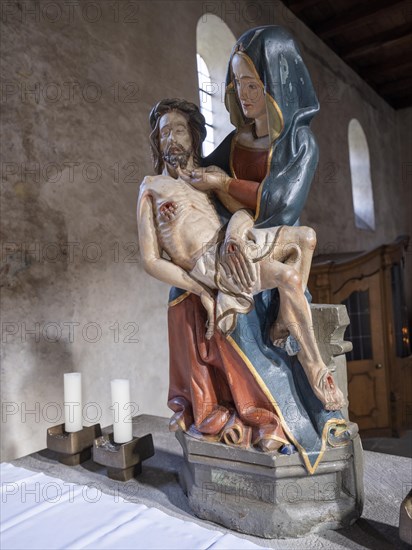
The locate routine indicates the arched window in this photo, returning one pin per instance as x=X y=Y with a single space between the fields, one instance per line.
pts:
x=214 y=44
x=205 y=97
x=362 y=192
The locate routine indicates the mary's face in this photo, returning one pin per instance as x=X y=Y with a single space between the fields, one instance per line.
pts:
x=249 y=89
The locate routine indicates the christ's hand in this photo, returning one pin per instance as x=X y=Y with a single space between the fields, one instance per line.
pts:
x=237 y=264
x=208 y=303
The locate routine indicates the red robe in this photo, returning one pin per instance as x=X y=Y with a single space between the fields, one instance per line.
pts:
x=212 y=391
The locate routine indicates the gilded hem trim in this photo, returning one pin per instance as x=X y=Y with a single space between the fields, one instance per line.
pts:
x=311 y=469
x=179 y=299
x=275 y=437
x=232 y=146
x=271 y=248
x=182 y=424
x=280 y=115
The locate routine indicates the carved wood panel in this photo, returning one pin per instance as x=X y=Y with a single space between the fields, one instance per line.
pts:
x=380 y=378
x=367 y=380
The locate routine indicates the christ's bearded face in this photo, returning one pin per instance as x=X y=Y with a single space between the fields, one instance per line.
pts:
x=175 y=139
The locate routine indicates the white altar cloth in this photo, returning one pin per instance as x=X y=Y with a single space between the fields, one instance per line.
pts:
x=39 y=511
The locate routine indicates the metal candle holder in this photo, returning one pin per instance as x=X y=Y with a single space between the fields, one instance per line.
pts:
x=72 y=448
x=123 y=460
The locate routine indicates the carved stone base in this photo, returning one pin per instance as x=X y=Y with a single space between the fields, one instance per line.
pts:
x=272 y=495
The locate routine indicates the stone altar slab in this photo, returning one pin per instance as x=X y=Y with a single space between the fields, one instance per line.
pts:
x=387 y=480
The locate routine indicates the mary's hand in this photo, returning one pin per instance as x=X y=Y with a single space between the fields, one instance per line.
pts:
x=211 y=178
x=237 y=264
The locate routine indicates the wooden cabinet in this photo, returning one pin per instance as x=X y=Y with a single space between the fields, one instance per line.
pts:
x=370 y=284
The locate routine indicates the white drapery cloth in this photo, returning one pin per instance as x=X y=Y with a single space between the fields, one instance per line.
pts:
x=39 y=511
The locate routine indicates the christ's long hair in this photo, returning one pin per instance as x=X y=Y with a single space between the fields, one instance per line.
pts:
x=196 y=122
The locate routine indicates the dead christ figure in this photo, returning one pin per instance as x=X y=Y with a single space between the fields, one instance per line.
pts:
x=238 y=261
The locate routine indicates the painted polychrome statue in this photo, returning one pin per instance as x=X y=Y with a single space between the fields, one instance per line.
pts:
x=245 y=368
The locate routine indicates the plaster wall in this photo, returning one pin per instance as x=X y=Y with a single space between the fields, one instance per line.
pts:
x=79 y=83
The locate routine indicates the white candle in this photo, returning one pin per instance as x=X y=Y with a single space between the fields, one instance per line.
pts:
x=122 y=421
x=73 y=402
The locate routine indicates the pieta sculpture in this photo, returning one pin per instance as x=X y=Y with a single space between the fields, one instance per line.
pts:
x=223 y=231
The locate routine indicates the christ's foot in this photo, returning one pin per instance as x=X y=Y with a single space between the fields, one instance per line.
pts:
x=328 y=392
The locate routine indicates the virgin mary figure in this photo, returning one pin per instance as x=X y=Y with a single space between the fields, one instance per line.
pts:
x=249 y=387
